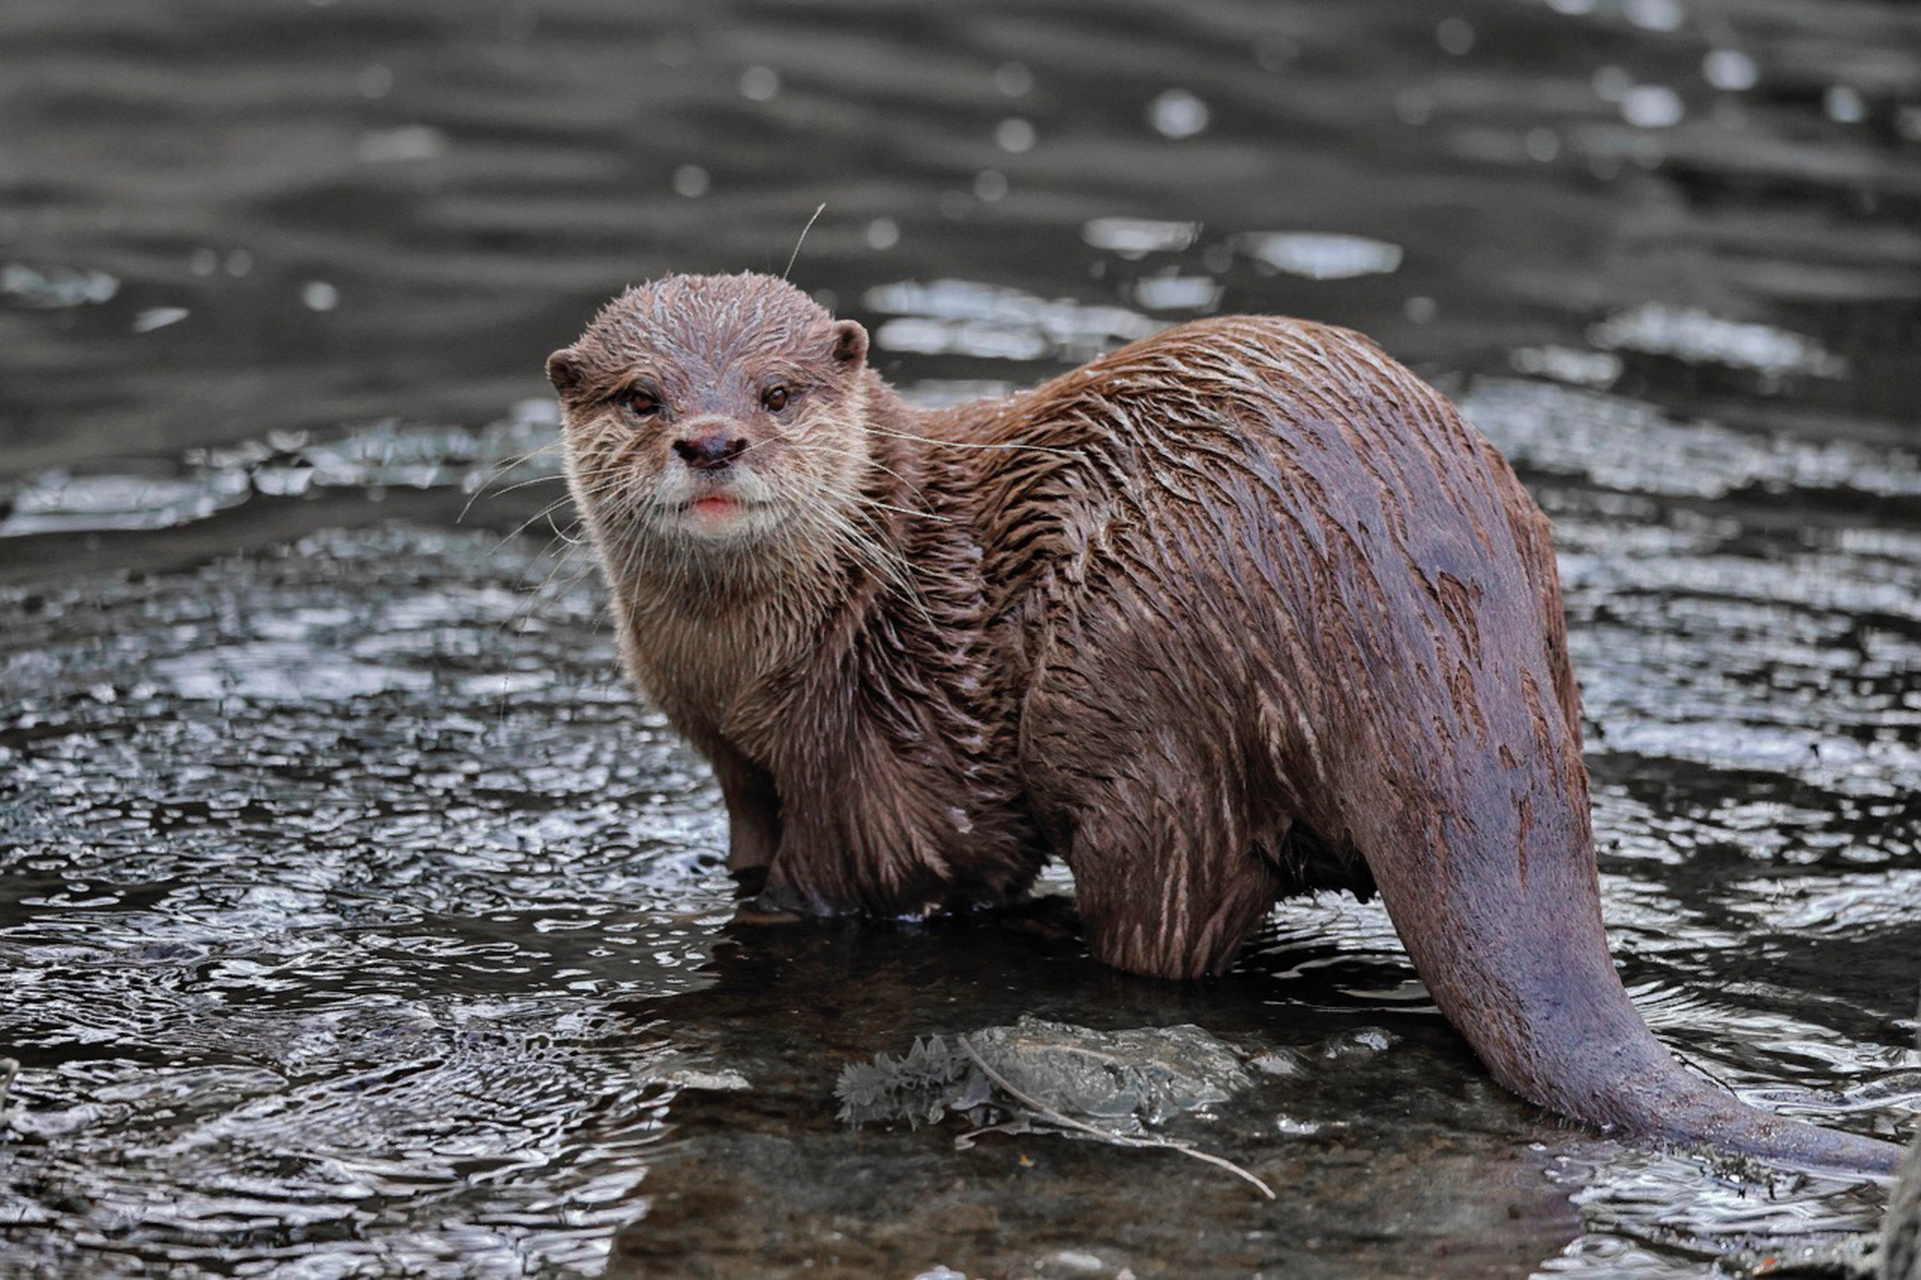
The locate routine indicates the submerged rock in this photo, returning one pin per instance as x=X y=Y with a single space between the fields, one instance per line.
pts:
x=1120 y=1081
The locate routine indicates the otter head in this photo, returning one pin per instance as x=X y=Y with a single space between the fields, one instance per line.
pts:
x=712 y=416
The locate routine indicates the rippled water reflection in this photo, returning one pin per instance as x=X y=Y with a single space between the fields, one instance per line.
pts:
x=357 y=923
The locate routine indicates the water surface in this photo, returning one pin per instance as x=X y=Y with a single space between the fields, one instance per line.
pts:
x=356 y=920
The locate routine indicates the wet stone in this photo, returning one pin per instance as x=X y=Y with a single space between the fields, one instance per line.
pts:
x=1119 y=1080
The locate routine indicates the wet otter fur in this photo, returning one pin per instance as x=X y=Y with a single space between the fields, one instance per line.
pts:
x=1239 y=611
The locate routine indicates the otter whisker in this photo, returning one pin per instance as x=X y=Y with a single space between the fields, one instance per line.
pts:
x=545 y=513
x=501 y=468
x=795 y=256
x=812 y=446
x=518 y=485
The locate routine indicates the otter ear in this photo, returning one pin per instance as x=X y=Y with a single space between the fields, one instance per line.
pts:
x=563 y=370
x=850 y=343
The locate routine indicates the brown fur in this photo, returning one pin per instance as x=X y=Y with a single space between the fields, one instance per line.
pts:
x=1242 y=610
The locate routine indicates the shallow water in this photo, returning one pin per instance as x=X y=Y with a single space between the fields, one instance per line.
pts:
x=357 y=922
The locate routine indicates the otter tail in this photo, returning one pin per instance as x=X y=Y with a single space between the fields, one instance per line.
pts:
x=1502 y=919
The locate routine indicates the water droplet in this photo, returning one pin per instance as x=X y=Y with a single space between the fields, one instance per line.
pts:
x=759 y=84
x=690 y=180
x=883 y=234
x=1177 y=114
x=1655 y=15
x=1730 y=70
x=1844 y=104
x=1419 y=310
x=1652 y=106
x=1015 y=135
x=990 y=184
x=1542 y=144
x=1455 y=35
x=318 y=295
x=203 y=262
x=239 y=263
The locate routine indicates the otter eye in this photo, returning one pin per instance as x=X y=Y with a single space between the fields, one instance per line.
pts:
x=775 y=399
x=639 y=402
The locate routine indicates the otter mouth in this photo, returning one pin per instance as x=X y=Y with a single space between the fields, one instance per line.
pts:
x=719 y=513
x=723 y=508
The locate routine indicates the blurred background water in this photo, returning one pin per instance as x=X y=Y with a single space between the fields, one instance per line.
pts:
x=354 y=919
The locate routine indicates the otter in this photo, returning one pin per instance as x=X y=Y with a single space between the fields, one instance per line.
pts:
x=1241 y=610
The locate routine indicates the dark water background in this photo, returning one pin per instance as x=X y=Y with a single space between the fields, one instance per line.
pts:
x=356 y=922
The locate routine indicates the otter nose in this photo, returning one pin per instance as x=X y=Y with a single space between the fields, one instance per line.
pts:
x=710 y=452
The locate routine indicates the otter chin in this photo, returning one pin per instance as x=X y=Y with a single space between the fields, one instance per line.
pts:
x=1240 y=611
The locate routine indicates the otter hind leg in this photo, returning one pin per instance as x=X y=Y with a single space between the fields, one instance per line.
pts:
x=1158 y=894
x=1169 y=873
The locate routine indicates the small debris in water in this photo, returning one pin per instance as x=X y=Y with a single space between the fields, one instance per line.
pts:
x=1365 y=1040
